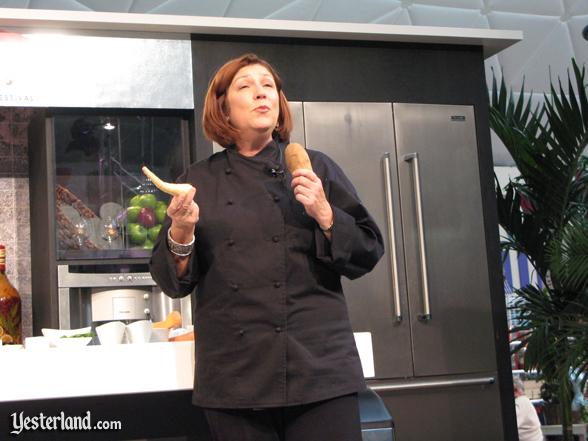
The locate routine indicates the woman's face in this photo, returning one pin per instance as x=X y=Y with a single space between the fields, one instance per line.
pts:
x=253 y=101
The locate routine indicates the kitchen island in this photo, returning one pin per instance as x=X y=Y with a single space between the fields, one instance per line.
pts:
x=147 y=388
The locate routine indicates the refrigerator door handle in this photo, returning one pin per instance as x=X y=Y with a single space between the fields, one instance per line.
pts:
x=414 y=158
x=392 y=237
x=425 y=384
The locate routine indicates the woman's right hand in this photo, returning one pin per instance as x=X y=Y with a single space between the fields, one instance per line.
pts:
x=184 y=214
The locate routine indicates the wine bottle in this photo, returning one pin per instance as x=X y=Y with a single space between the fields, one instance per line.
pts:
x=10 y=306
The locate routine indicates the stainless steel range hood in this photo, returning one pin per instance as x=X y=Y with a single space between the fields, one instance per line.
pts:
x=57 y=70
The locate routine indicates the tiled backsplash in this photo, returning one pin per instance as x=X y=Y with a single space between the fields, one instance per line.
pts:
x=15 y=229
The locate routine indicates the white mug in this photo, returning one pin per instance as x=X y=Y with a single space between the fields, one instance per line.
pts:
x=111 y=333
x=139 y=331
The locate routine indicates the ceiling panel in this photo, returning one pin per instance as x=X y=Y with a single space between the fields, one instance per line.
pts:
x=398 y=16
x=296 y=10
x=348 y=10
x=531 y=7
x=255 y=8
x=423 y=15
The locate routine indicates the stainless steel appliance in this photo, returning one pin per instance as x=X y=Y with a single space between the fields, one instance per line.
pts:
x=427 y=303
x=93 y=294
x=96 y=216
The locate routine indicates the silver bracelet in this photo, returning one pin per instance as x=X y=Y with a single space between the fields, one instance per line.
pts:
x=180 y=249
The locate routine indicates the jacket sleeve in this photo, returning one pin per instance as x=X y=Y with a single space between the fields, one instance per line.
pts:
x=356 y=243
x=163 y=266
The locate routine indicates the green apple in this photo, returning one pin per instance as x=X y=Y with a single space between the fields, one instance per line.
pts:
x=134 y=201
x=161 y=204
x=133 y=213
x=148 y=200
x=148 y=245
x=137 y=233
x=153 y=232
x=160 y=213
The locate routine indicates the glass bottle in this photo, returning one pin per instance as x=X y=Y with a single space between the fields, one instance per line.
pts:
x=10 y=306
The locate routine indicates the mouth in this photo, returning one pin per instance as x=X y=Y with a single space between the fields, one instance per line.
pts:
x=261 y=109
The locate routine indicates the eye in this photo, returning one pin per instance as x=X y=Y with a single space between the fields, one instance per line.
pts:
x=243 y=86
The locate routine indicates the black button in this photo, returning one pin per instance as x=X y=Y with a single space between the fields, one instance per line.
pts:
x=234 y=287
x=277 y=284
x=230 y=202
x=276 y=198
x=276 y=238
x=278 y=329
x=231 y=242
x=228 y=170
x=241 y=332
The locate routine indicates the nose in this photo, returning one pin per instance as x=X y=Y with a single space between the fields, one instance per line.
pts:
x=259 y=91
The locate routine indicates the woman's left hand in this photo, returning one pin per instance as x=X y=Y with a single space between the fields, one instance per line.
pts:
x=308 y=190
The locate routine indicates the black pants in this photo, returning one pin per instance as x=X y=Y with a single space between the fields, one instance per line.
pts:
x=336 y=419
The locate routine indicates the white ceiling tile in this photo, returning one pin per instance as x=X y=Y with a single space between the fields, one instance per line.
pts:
x=211 y=8
x=354 y=11
x=546 y=44
x=533 y=7
x=399 y=16
x=462 y=4
x=70 y=5
x=575 y=27
x=101 y=5
x=576 y=7
x=296 y=10
x=450 y=17
x=256 y=8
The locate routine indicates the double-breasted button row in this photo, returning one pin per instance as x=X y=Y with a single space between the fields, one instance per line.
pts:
x=277 y=284
x=230 y=242
x=276 y=238
x=278 y=329
x=276 y=198
x=234 y=286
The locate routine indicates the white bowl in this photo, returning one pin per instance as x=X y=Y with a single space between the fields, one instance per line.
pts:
x=73 y=342
x=55 y=334
x=139 y=331
x=111 y=333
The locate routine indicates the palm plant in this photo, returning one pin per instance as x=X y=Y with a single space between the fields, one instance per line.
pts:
x=544 y=214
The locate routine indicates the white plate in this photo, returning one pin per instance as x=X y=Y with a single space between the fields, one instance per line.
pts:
x=54 y=335
x=73 y=342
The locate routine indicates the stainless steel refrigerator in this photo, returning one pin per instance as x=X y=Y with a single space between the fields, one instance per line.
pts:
x=427 y=303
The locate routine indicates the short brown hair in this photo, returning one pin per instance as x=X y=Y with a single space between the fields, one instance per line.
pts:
x=214 y=118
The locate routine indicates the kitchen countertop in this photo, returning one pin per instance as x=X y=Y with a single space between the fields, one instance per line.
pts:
x=96 y=370
x=112 y=370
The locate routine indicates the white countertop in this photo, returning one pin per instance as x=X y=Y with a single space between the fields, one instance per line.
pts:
x=110 y=370
x=96 y=370
x=493 y=41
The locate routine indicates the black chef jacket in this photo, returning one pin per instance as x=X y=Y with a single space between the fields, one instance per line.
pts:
x=271 y=322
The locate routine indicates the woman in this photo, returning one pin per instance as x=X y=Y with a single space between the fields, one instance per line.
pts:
x=275 y=353
x=528 y=424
